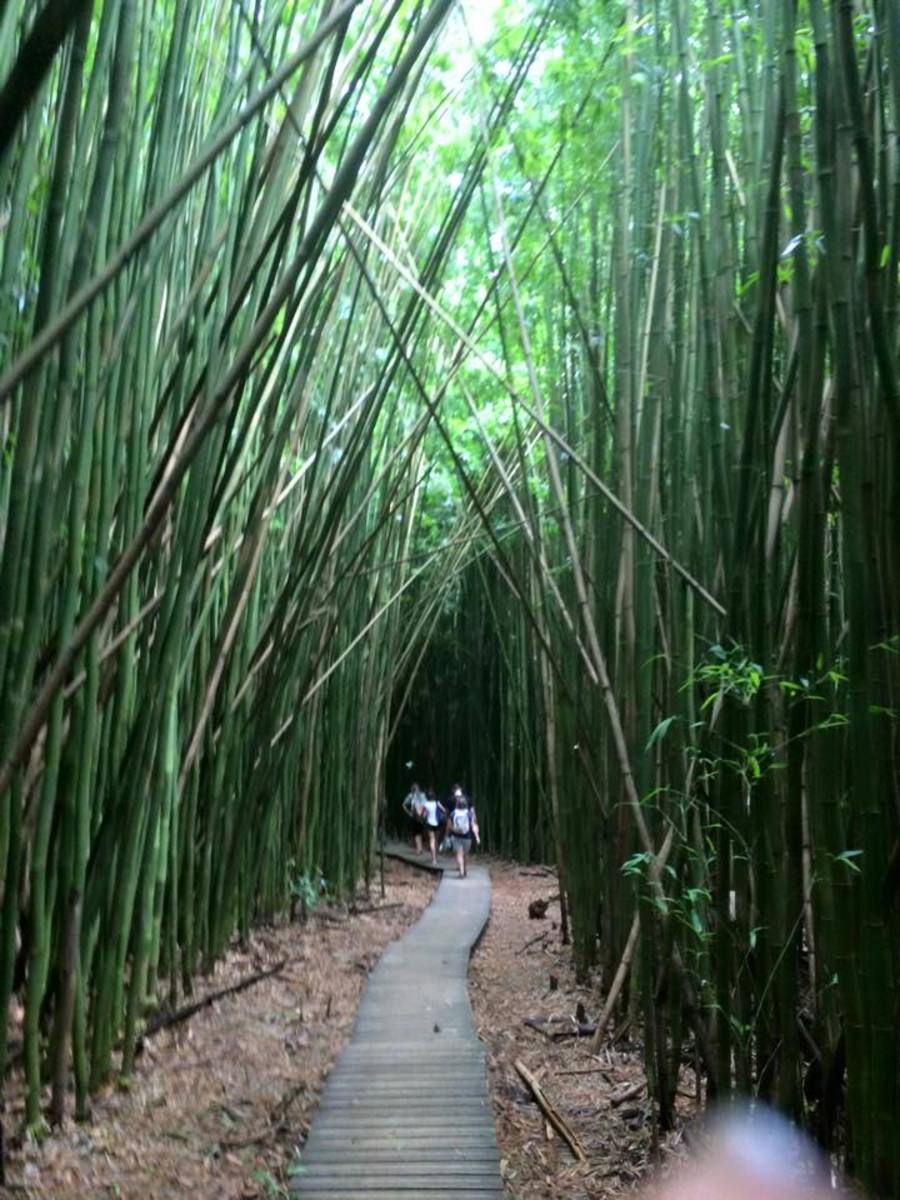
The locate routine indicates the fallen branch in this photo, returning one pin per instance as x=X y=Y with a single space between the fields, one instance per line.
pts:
x=279 y=1112
x=558 y=1122
x=583 y=1029
x=570 y=1029
x=618 y=982
x=162 y=1020
x=540 y=937
x=330 y=918
x=630 y=1093
x=253 y=1139
x=619 y=1033
x=587 y=1071
x=539 y=1026
x=356 y=911
x=278 y=1123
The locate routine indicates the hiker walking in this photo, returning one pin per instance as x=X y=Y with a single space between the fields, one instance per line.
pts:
x=462 y=825
x=435 y=815
x=414 y=807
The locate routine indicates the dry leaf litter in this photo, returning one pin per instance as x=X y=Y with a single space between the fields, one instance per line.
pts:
x=520 y=971
x=217 y=1105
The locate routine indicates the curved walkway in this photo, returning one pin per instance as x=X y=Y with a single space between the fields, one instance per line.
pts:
x=405 y=1112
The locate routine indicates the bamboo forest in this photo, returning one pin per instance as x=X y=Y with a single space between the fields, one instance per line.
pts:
x=502 y=390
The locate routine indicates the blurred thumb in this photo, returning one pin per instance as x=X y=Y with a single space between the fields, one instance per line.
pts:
x=750 y=1154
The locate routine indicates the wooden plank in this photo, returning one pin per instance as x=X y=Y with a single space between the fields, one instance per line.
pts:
x=435 y=1093
x=391 y=1168
x=404 y=1142
x=360 y=1073
x=390 y=1157
x=441 y=1187
x=412 y=1118
x=398 y=1183
x=451 y=1102
x=408 y=855
x=432 y=1089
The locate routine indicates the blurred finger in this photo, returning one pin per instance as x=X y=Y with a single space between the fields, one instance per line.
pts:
x=751 y=1154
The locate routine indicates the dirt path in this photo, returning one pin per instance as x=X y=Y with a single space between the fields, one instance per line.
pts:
x=216 y=1104
x=520 y=971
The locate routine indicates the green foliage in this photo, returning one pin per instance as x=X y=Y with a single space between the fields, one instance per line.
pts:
x=307 y=889
x=272 y=1188
x=727 y=673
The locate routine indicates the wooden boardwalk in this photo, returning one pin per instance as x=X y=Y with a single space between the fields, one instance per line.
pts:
x=408 y=855
x=406 y=1112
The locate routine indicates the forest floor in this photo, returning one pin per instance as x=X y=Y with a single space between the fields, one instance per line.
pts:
x=217 y=1105
x=520 y=971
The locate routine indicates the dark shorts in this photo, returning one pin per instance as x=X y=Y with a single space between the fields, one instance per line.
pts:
x=414 y=825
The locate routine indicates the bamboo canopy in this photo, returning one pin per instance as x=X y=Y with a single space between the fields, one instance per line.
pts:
x=506 y=390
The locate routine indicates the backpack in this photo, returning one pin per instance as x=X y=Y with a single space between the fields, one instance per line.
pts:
x=461 y=822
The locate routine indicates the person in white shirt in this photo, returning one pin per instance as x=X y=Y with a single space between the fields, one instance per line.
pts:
x=462 y=826
x=414 y=807
x=435 y=815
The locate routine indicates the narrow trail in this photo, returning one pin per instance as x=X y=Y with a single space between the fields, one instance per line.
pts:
x=406 y=1112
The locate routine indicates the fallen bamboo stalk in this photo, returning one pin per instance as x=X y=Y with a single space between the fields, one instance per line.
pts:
x=630 y=1093
x=618 y=982
x=541 y=1028
x=630 y=946
x=540 y=938
x=589 y=1071
x=162 y=1020
x=277 y=1122
x=558 y=1122
x=567 y=1028
x=253 y=1139
x=575 y=1031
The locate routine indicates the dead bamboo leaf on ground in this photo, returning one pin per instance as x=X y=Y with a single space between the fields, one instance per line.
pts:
x=154 y=1140
x=509 y=985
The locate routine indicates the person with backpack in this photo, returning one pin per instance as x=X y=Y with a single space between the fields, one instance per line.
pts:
x=435 y=815
x=462 y=825
x=414 y=807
